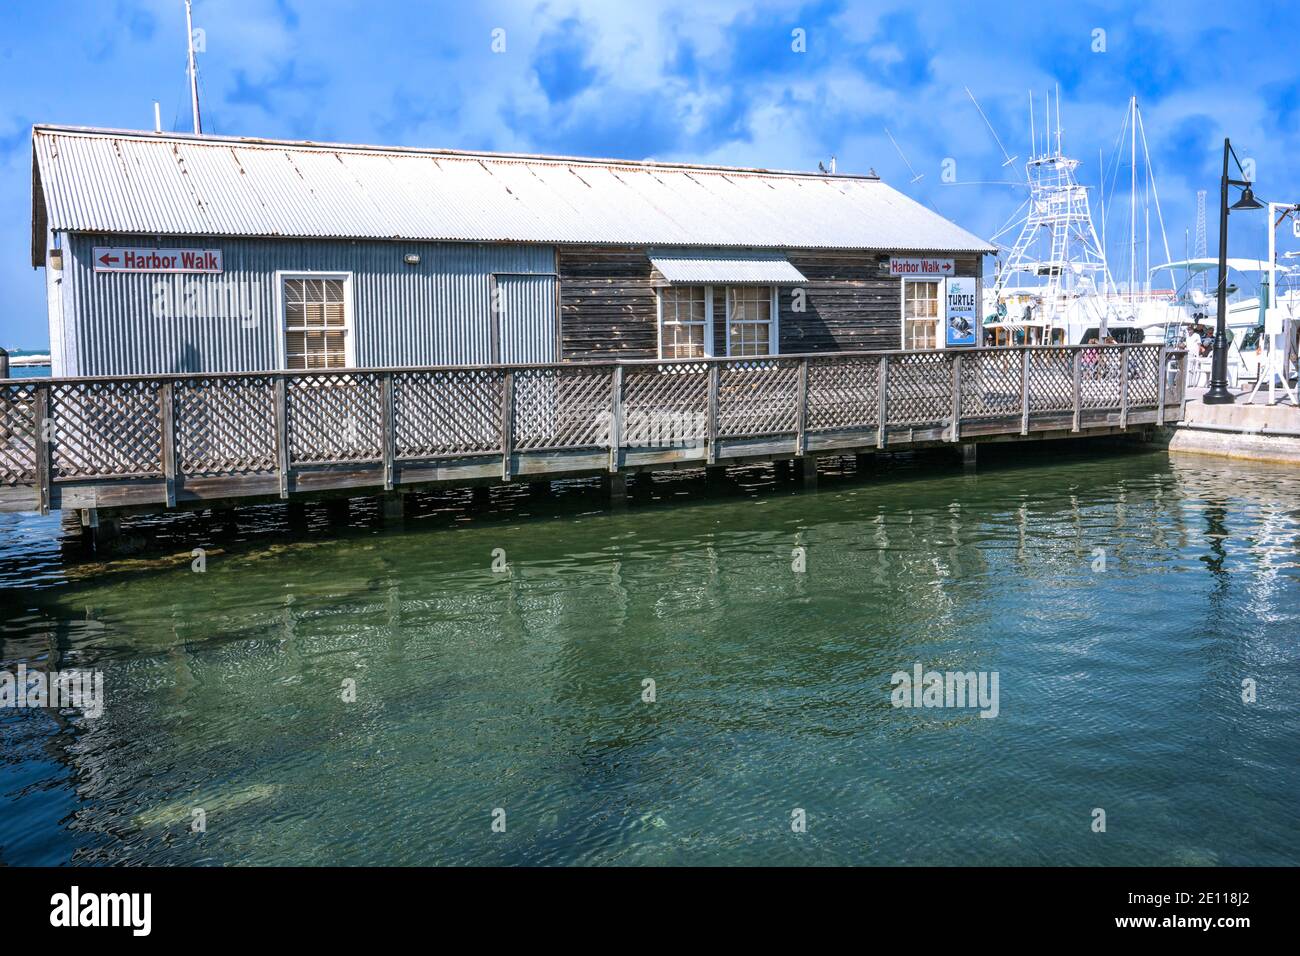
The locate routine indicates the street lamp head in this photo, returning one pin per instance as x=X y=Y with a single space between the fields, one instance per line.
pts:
x=1247 y=200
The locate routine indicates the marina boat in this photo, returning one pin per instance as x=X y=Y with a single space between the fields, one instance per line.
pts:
x=1055 y=286
x=1245 y=311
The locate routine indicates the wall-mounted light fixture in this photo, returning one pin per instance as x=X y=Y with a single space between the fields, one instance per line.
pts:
x=411 y=259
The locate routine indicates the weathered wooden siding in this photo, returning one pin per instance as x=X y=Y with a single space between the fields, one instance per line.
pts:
x=850 y=303
x=607 y=303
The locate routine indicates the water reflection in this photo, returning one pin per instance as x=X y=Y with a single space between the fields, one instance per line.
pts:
x=521 y=688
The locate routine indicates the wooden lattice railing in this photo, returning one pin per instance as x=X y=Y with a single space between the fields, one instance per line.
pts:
x=175 y=430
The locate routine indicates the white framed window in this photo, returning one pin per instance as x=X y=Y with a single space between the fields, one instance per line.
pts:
x=752 y=320
x=685 y=321
x=315 y=310
x=921 y=298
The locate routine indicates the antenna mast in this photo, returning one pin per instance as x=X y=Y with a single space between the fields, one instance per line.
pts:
x=916 y=177
x=193 y=69
x=1058 y=119
x=1033 y=136
x=1199 y=248
x=1009 y=159
x=1057 y=257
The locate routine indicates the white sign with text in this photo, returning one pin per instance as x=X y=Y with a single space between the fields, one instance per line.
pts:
x=962 y=322
x=206 y=261
x=908 y=266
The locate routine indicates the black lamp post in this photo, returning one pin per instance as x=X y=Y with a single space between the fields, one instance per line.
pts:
x=1218 y=393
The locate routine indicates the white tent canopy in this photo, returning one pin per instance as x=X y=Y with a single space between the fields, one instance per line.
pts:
x=1206 y=264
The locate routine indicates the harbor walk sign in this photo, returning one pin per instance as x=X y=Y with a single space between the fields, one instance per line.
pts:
x=207 y=261
x=929 y=268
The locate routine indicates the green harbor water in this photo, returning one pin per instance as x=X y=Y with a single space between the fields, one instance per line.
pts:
x=1121 y=597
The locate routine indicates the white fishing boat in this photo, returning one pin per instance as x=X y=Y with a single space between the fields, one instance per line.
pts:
x=1055 y=285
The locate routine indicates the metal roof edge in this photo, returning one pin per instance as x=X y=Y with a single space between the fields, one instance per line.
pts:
x=655 y=247
x=204 y=139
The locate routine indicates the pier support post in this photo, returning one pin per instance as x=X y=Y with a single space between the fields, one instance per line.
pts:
x=808 y=471
x=539 y=489
x=109 y=530
x=338 y=510
x=224 y=519
x=88 y=519
x=781 y=469
x=394 y=507
x=862 y=462
x=296 y=515
x=715 y=477
x=479 y=497
x=969 y=456
x=616 y=488
x=100 y=529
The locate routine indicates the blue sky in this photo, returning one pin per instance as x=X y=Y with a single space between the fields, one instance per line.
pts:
x=693 y=80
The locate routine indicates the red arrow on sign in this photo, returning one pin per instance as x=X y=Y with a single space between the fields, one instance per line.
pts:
x=946 y=267
x=106 y=258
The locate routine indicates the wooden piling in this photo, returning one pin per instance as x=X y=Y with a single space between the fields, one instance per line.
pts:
x=393 y=506
x=616 y=488
x=808 y=471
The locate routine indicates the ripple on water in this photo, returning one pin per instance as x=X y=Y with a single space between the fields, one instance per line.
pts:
x=522 y=689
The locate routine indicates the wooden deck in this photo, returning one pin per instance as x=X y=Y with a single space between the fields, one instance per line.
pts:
x=183 y=440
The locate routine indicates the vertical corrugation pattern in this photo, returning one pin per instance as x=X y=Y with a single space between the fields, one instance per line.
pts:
x=434 y=313
x=527 y=318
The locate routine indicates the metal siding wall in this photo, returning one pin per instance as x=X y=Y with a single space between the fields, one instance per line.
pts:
x=527 y=318
x=435 y=313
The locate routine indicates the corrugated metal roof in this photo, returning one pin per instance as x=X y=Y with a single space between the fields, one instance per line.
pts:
x=130 y=182
x=732 y=269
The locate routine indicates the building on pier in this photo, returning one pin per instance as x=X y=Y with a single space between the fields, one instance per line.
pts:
x=170 y=254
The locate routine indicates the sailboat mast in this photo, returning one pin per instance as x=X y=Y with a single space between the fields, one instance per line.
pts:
x=1155 y=195
x=1146 y=226
x=1132 y=196
x=193 y=70
x=1101 y=198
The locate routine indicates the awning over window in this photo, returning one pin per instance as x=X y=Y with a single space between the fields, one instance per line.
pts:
x=727 y=269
